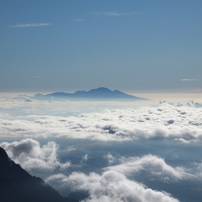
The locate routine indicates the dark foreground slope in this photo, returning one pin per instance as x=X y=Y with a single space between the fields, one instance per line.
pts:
x=16 y=185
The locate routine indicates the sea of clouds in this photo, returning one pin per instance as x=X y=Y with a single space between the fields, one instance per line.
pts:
x=149 y=153
x=180 y=123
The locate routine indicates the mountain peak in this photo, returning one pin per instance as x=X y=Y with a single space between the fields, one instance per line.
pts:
x=102 y=89
x=101 y=93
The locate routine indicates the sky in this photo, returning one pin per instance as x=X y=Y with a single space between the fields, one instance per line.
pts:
x=129 y=45
x=113 y=150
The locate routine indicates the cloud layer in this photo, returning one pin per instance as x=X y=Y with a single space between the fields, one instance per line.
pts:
x=178 y=123
x=125 y=154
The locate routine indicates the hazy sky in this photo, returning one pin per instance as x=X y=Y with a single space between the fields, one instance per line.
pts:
x=67 y=45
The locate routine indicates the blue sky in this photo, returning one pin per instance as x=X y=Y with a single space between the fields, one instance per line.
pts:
x=130 y=45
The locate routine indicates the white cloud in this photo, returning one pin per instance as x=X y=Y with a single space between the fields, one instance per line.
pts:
x=109 y=186
x=164 y=121
x=110 y=158
x=84 y=159
x=181 y=140
x=30 y=155
x=152 y=165
x=189 y=79
x=105 y=14
x=115 y=14
x=115 y=183
x=31 y=25
x=109 y=13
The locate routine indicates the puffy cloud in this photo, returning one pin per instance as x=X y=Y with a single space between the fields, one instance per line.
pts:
x=30 y=155
x=190 y=103
x=110 y=158
x=181 y=140
x=120 y=182
x=152 y=165
x=110 y=186
x=84 y=159
x=164 y=121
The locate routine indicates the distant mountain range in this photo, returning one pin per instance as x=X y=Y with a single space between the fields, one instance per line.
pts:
x=16 y=185
x=99 y=93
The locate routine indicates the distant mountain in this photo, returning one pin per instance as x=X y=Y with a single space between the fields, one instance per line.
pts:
x=99 y=93
x=16 y=185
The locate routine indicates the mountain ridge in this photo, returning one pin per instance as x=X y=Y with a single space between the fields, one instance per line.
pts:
x=98 y=93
